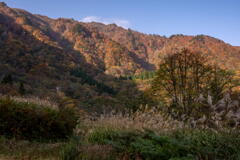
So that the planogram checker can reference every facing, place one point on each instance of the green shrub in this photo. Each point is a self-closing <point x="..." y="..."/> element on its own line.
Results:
<point x="77" y="149"/>
<point x="20" y="149"/>
<point x="100" y="135"/>
<point x="71" y="150"/>
<point x="31" y="121"/>
<point x="176" y="145"/>
<point x="209" y="144"/>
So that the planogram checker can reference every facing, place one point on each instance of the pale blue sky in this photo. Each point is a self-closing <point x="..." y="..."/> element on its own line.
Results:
<point x="217" y="18"/>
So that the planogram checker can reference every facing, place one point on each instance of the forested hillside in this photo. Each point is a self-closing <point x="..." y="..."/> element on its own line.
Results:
<point x="72" y="90"/>
<point x="86" y="61"/>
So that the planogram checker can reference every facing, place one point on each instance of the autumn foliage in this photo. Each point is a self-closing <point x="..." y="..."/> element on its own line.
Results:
<point x="183" y="77"/>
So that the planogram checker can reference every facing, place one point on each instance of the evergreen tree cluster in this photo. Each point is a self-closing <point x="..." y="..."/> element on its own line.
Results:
<point x="8" y="80"/>
<point x="143" y="76"/>
<point x="85" y="78"/>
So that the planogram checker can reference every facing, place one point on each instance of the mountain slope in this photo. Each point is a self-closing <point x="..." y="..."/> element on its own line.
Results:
<point x="115" y="50"/>
<point x="152" y="48"/>
<point x="47" y="53"/>
<point x="35" y="56"/>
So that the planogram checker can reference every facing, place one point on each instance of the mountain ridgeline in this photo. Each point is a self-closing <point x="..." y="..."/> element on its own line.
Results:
<point x="84" y="59"/>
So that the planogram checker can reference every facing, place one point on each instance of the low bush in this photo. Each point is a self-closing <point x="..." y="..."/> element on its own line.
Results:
<point x="181" y="144"/>
<point x="77" y="149"/>
<point x="32" y="121"/>
<point x="13" y="149"/>
<point x="71" y="149"/>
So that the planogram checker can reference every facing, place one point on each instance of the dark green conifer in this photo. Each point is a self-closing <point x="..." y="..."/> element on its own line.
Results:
<point x="22" y="89"/>
<point x="7" y="79"/>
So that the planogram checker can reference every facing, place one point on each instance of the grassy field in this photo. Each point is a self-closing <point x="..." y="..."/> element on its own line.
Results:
<point x="24" y="149"/>
<point x="141" y="135"/>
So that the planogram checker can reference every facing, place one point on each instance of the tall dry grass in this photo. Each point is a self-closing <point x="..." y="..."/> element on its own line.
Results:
<point x="144" y="119"/>
<point x="35" y="100"/>
<point x="224" y="114"/>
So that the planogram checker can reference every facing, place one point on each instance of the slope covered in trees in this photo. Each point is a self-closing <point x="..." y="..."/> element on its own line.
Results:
<point x="112" y="49"/>
<point x="152" y="48"/>
<point x="43" y="54"/>
<point x="73" y="90"/>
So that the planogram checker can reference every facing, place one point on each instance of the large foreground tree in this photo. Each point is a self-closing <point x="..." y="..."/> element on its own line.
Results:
<point x="183" y="76"/>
